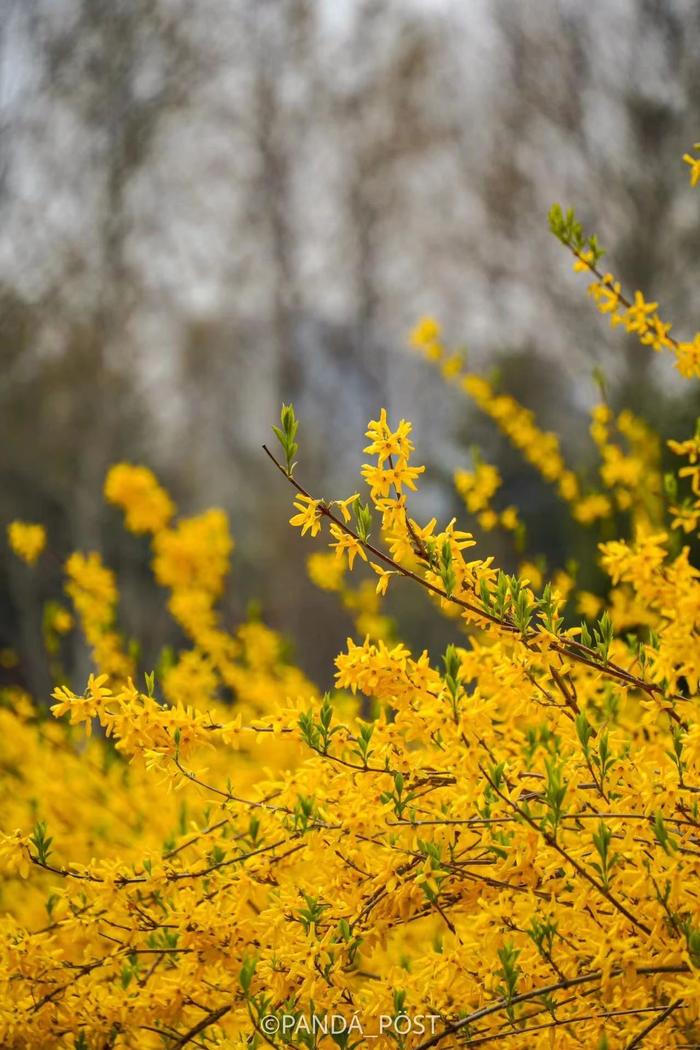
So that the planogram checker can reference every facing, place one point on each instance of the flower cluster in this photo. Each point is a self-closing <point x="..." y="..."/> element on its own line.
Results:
<point x="92" y="588"/>
<point x="686" y="511"/>
<point x="477" y="488"/>
<point x="540" y="448"/>
<point x="391" y="473"/>
<point x="504" y="835"/>
<point x="146" y="504"/>
<point x="27" y="540"/>
<point x="637" y="315"/>
<point x="630" y="455"/>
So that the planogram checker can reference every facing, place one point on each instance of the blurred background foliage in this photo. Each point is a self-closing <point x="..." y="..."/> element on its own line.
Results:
<point x="208" y="209"/>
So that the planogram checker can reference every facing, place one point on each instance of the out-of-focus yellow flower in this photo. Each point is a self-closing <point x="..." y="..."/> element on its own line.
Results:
<point x="689" y="357"/>
<point x="325" y="570"/>
<point x="452" y="366"/>
<point x="509" y="518"/>
<point x="488" y="520"/>
<point x="694" y="165"/>
<point x="61" y="621"/>
<point x="589" y="604"/>
<point x="92" y="586"/>
<point x="27" y="540"/>
<point x="563" y="583"/>
<point x="426" y="337"/>
<point x="146" y="504"/>
<point x="478" y="487"/>
<point x="568" y="486"/>
<point x="195" y="553"/>
<point x="590" y="508"/>
<point x="527" y="570"/>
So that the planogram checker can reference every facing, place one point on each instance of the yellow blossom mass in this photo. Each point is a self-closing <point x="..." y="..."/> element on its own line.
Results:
<point x="147" y="506"/>
<point x="502" y="836"/>
<point x="27" y="540"/>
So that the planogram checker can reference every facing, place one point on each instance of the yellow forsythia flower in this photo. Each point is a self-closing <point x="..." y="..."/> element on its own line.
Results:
<point x="308" y="516"/>
<point x="325" y="570"/>
<point x="61" y="621"/>
<point x="694" y="166"/>
<point x="589" y="508"/>
<point x="26" y="540"/>
<point x="195" y="553"/>
<point x="589" y="605"/>
<point x="426" y="337"/>
<point x="147" y="505"/>
<point x="532" y="573"/>
<point x="14" y="854"/>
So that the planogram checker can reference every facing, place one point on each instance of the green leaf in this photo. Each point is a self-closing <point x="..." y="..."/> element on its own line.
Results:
<point x="286" y="434"/>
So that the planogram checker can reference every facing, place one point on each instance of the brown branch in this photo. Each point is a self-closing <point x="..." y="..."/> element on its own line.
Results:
<point x="551" y="841"/>
<point x="570" y="648"/>
<point x="536" y="993"/>
<point x="193" y="1032"/>
<point x="640" y="1036"/>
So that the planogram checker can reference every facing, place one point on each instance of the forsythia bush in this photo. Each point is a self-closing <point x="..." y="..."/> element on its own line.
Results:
<point x="499" y="846"/>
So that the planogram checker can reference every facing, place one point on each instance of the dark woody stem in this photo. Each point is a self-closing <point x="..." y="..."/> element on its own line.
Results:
<point x="571" y="649"/>
<point x="536" y="993"/>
